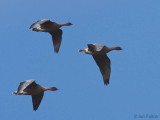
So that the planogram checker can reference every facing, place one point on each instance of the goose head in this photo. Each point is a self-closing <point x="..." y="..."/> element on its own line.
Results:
<point x="85" y="51"/>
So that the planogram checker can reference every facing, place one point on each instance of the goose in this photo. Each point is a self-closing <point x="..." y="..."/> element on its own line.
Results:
<point x="98" y="52"/>
<point x="52" y="28"/>
<point x="30" y="87"/>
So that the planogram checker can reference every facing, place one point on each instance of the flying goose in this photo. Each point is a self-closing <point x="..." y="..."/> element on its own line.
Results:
<point x="30" y="87"/>
<point x="53" y="28"/>
<point x="98" y="52"/>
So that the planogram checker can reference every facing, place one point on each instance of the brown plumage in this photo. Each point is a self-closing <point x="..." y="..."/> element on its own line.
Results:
<point x="52" y="28"/>
<point x="98" y="52"/>
<point x="30" y="87"/>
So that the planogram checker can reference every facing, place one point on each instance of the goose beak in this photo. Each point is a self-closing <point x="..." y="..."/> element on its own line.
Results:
<point x="14" y="92"/>
<point x="81" y="50"/>
<point x="34" y="29"/>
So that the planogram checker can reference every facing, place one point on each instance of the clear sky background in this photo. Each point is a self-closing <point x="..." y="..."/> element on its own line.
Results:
<point x="134" y="87"/>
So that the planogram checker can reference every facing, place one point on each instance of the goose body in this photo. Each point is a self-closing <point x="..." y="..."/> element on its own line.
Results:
<point x="30" y="87"/>
<point x="98" y="52"/>
<point x="52" y="28"/>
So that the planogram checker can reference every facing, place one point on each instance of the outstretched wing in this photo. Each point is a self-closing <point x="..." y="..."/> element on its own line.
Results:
<point x="56" y="39"/>
<point x="24" y="85"/>
<point x="40" y="22"/>
<point x="36" y="100"/>
<point x="103" y="63"/>
<point x="95" y="47"/>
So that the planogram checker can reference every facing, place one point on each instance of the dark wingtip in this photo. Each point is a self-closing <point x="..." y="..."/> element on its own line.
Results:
<point x="106" y="82"/>
<point x="56" y="51"/>
<point x="34" y="109"/>
<point x="31" y="26"/>
<point x="89" y="44"/>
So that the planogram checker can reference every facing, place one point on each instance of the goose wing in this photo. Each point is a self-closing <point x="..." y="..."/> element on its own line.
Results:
<point x="36" y="100"/>
<point x="103" y="63"/>
<point x="56" y="39"/>
<point x="25" y="84"/>
<point x="40" y="22"/>
<point x="95" y="47"/>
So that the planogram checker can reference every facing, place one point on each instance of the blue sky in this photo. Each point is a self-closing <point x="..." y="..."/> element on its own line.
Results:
<point x="134" y="84"/>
